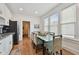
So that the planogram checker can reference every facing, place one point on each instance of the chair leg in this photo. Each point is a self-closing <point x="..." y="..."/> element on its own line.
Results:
<point x="57" y="53"/>
<point x="36" y="49"/>
<point x="33" y="45"/>
<point x="60" y="52"/>
<point x="53" y="54"/>
<point x="47" y="51"/>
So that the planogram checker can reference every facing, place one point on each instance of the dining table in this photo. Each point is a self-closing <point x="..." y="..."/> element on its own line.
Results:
<point x="45" y="39"/>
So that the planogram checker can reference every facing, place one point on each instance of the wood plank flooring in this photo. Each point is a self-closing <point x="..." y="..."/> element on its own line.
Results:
<point x="25" y="48"/>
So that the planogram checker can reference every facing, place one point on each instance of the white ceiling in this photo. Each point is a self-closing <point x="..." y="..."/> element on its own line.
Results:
<point x="29" y="8"/>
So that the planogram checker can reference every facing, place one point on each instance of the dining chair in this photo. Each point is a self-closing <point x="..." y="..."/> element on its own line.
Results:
<point x="51" y="33"/>
<point x="57" y="45"/>
<point x="37" y="43"/>
<point x="48" y="45"/>
<point x="54" y="47"/>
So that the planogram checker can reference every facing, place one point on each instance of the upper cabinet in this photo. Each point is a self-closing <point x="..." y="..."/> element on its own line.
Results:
<point x="2" y="20"/>
<point x="4" y="12"/>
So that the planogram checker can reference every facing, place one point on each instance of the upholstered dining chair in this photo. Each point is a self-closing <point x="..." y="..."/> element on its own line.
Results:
<point x="37" y="43"/>
<point x="54" y="47"/>
<point x="57" y="45"/>
<point x="51" y="33"/>
<point x="48" y="45"/>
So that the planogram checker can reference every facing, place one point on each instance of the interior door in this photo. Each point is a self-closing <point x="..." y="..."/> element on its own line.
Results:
<point x="26" y="28"/>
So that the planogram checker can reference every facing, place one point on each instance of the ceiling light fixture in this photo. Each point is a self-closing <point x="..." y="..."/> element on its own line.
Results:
<point x="36" y="12"/>
<point x="21" y="9"/>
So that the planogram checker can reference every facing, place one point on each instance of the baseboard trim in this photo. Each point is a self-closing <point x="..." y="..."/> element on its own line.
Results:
<point x="71" y="50"/>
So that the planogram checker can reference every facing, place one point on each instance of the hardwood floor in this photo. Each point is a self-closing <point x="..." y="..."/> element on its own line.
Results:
<point x="25" y="48"/>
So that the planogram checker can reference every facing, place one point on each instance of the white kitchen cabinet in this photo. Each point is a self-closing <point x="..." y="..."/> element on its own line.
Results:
<point x="2" y="47"/>
<point x="2" y="15"/>
<point x="7" y="15"/>
<point x="6" y="45"/>
<point x="10" y="43"/>
<point x="2" y="10"/>
<point x="5" y="12"/>
<point x="2" y="20"/>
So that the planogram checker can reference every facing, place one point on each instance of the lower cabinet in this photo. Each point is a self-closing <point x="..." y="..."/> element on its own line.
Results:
<point x="6" y="45"/>
<point x="2" y="47"/>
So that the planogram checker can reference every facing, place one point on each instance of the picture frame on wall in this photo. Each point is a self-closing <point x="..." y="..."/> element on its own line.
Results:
<point x="36" y="25"/>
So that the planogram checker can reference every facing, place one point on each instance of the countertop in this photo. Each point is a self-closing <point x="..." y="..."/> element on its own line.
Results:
<point x="4" y="35"/>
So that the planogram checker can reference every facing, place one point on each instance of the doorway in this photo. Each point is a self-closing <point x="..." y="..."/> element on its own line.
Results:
<point x="26" y="28"/>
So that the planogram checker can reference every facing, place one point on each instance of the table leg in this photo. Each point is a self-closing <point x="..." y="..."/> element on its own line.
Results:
<point x="60" y="52"/>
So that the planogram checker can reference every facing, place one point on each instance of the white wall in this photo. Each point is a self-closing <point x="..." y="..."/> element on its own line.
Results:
<point x="33" y="20"/>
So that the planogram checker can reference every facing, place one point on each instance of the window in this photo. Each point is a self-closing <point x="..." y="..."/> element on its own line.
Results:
<point x="54" y="23"/>
<point x="46" y="24"/>
<point x="68" y="19"/>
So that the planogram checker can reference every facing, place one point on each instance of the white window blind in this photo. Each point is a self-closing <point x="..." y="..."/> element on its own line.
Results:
<point x="54" y="23"/>
<point x="46" y="24"/>
<point x="54" y="29"/>
<point x="68" y="29"/>
<point x="68" y="19"/>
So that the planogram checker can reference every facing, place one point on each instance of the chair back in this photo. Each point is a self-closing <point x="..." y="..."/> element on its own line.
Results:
<point x="49" y="44"/>
<point x="57" y="44"/>
<point x="51" y="33"/>
<point x="35" y="38"/>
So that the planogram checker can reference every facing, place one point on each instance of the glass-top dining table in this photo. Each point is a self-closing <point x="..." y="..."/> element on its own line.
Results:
<point x="45" y="39"/>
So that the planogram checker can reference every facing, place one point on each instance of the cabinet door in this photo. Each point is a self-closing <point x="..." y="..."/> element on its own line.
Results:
<point x="2" y="47"/>
<point x="1" y="9"/>
<point x="2" y="14"/>
<point x="10" y="43"/>
<point x="7" y="45"/>
<point x="2" y="20"/>
<point x="4" y="11"/>
<point x="7" y="14"/>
